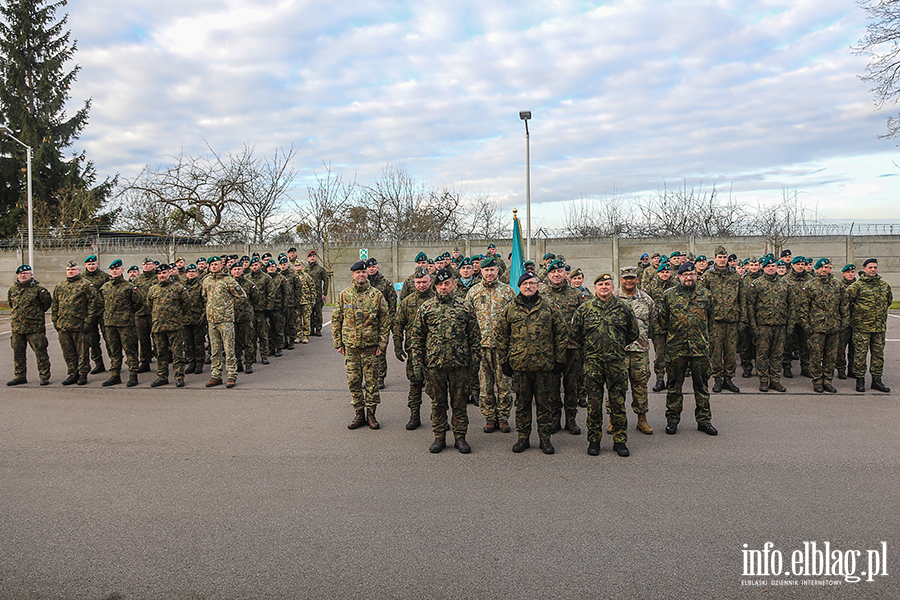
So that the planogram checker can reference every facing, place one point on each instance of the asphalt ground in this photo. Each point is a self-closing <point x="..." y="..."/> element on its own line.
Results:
<point x="262" y="492"/>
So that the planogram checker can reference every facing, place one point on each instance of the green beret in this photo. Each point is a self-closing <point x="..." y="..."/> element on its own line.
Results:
<point x="91" y="258"/>
<point x="822" y="261"/>
<point x="200" y="260"/>
<point x="133" y="268"/>
<point x="213" y="259"/>
<point x="23" y="268"/>
<point x="549" y="256"/>
<point x="676" y="253"/>
<point x="421" y="256"/>
<point x="556" y="264"/>
<point x="701" y="257"/>
<point x="848" y="267"/>
<point x="663" y="266"/>
<point x="466" y="262"/>
<point x="781" y="263"/>
<point x="421" y="272"/>
<point x="430" y="261"/>
<point x="491" y="246"/>
<point x="115" y="264"/>
<point x="528" y="262"/>
<point x="191" y="267"/>
<point x="798" y="259"/>
<point x="490" y="261"/>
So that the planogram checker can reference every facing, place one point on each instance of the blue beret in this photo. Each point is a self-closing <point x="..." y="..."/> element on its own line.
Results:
<point x="525" y="277"/>
<point x="359" y="265"/>
<point x="688" y="266"/>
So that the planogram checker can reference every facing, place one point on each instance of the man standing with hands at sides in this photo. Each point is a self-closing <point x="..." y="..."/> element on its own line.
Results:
<point x="403" y="326"/>
<point x="28" y="301"/>
<point x="637" y="354"/>
<point x="360" y="325"/>
<point x="531" y="345"/>
<point x="725" y="287"/>
<point x="219" y="292"/>
<point x="603" y="327"/>
<point x="168" y="301"/>
<point x="96" y="276"/>
<point x="320" y="279"/>
<point x="119" y="301"/>
<point x="869" y="300"/>
<point x="769" y="305"/>
<point x="826" y="313"/>
<point x="685" y="314"/>
<point x="445" y="340"/>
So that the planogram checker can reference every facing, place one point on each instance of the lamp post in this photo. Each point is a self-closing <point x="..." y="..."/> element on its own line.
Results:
<point x="8" y="132"/>
<point x="525" y="115"/>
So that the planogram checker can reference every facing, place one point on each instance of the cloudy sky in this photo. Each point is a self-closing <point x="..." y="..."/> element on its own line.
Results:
<point x="626" y="96"/>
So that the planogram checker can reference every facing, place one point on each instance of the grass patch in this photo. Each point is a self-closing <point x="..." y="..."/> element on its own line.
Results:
<point x="895" y="304"/>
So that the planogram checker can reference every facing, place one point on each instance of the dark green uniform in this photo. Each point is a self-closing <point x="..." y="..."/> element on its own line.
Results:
<point x="869" y="299"/>
<point x="244" y="334"/>
<point x="770" y="303"/>
<point x="844" y="349"/>
<point x="142" y="319"/>
<point x="266" y="290"/>
<point x="29" y="301"/>
<point x="168" y="301"/>
<point x="194" y="326"/>
<point x="74" y="310"/>
<point x="120" y="300"/>
<point x="725" y="286"/>
<point x="566" y="299"/>
<point x="97" y="278"/>
<point x="380" y="283"/>
<point x="403" y="326"/>
<point x="825" y="316"/>
<point x="746" y="337"/>
<point x="796" y="338"/>
<point x="320" y="279"/>
<point x="655" y="289"/>
<point x="280" y="296"/>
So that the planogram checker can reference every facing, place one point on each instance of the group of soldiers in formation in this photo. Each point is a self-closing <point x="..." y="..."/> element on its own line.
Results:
<point x="465" y="336"/>
<point x="224" y="311"/>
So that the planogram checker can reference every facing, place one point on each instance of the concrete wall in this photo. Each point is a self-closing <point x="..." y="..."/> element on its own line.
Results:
<point x="396" y="259"/>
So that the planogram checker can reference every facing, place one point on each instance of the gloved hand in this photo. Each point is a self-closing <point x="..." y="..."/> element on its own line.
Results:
<point x="559" y="368"/>
<point x="87" y="327"/>
<point x="419" y="372"/>
<point x="400" y="354"/>
<point x="507" y="369"/>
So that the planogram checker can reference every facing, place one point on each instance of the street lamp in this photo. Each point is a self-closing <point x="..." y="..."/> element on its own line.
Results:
<point x="525" y="115"/>
<point x="4" y="129"/>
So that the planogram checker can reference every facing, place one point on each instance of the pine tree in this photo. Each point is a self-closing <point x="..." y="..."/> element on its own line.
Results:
<point x="35" y="78"/>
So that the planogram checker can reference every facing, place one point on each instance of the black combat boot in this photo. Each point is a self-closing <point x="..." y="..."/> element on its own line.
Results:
<point x="144" y="367"/>
<point x="17" y="381"/>
<point x="98" y="368"/>
<point x="248" y="369"/>
<point x="546" y="446"/>
<point x="73" y="378"/>
<point x="829" y="388"/>
<point x="660" y="385"/>
<point x="842" y="373"/>
<point x="132" y="379"/>
<point x="728" y="384"/>
<point x="818" y="388"/>
<point x="594" y="449"/>
<point x="158" y="382"/>
<point x="748" y="373"/>
<point x="879" y="386"/>
<point x="621" y="449"/>
<point x="462" y="445"/>
<point x="521" y="445"/>
<point x="82" y="379"/>
<point x="717" y="385"/>
<point x="787" y="372"/>
<point x="114" y="380"/>
<point x="189" y="369"/>
<point x="860" y="384"/>
<point x="198" y="368"/>
<point x="572" y="427"/>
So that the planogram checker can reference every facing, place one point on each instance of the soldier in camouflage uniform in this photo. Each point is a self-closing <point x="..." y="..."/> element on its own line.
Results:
<point x="796" y="338"/>
<point x="168" y="301"/>
<point x="825" y="315"/>
<point x="360" y="325"/>
<point x="848" y="277"/>
<point x="119" y="301"/>
<point x="97" y="277"/>
<point x="293" y="292"/>
<point x="465" y="281"/>
<point x="725" y="286"/>
<point x="306" y="299"/>
<point x="28" y="301"/>
<point x="408" y="284"/>
<point x="770" y="302"/>
<point x="603" y="327"/>
<point x="403" y="326"/>
<point x="746" y="339"/>
<point x="655" y="289"/>
<point x="280" y="297"/>
<point x="686" y="313"/>
<point x="869" y="300"/>
<point x="545" y="262"/>
<point x="492" y="251"/>
<point x="243" y="321"/>
<point x="557" y="291"/>
<point x="380" y="283"/>
<point x="445" y="339"/>
<point x="650" y="272"/>
<point x="261" y="313"/>
<point x="74" y="310"/>
<point x="144" y="281"/>
<point x="194" y="322"/>
<point x="488" y="298"/>
<point x="320" y="279"/>
<point x="637" y="354"/>
<point x="220" y="291"/>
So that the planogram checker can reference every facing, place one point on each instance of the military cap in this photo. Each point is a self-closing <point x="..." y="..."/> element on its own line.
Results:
<point x="256" y="254"/>
<point x="686" y="267"/>
<point x="421" y="256"/>
<point x="282" y="260"/>
<point x="421" y="272"/>
<point x="456" y="248"/>
<point x="71" y="263"/>
<point x="568" y="268"/>
<point x="115" y="264"/>
<point x="767" y="260"/>
<point x="23" y="268"/>
<point x="245" y="257"/>
<point x="213" y="259"/>
<point x="200" y="260"/>
<point x="466" y="262"/>
<point x="720" y="249"/>
<point x="848" y="267"/>
<point x="91" y="258"/>
<point x="526" y="276"/>
<point x="358" y="266"/>
<point x="797" y="259"/>
<point x="191" y="267"/>
<point x="236" y="265"/>
<point x="132" y="268"/>
<point x="732" y="257"/>
<point x="808" y="261"/>
<point x="235" y="257"/>
<point x="312" y="253"/>
<point x="255" y="259"/>
<point x="292" y="249"/>
<point x="528" y="262"/>
<point x="430" y="261"/>
<point x="628" y="272"/>
<point x="179" y="258"/>
<point x="602" y="277"/>
<point x="491" y="246"/>
<point x="549" y="256"/>
<point x="655" y="254"/>
<point x="147" y="260"/>
<point x="644" y="255"/>
<point x="266" y="255"/>
<point x="270" y="263"/>
<point x="371" y="262"/>
<point x="577" y="272"/>
<point x="785" y="253"/>
<point x="442" y="275"/>
<point x="556" y="264"/>
<point x="822" y="261"/>
<point x="870" y="260"/>
<point x="162" y="267"/>
<point x="781" y="263"/>
<point x="156" y="262"/>
<point x="280" y="255"/>
<point x="751" y="259"/>
<point x="676" y="253"/>
<point x="702" y="257"/>
<point x="478" y="257"/>
<point x="490" y="261"/>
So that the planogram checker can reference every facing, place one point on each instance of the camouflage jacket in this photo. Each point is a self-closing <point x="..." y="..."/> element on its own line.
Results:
<point x="655" y="289"/>
<point x="243" y="307"/>
<point x="28" y="301"/>
<point x="770" y="301"/>
<point x="307" y="289"/>
<point x="604" y="328"/>
<point x="462" y="288"/>
<point x="409" y="286"/>
<point x="143" y="283"/>
<point x="869" y="300"/>
<point x="566" y="299"/>
<point x="280" y="291"/>
<point x="531" y="337"/>
<point x="488" y="300"/>
<point x="320" y="280"/>
<point x="406" y="316"/>
<point x="219" y="292"/>
<point x="360" y="318"/>
<point x="97" y="278"/>
<point x="445" y="335"/>
<point x="798" y="283"/>
<point x="584" y="291"/>
<point x="291" y="288"/>
<point x="725" y="286"/>
<point x="644" y="309"/>
<point x="380" y="283"/>
<point x="195" y="312"/>
<point x="265" y="286"/>
<point x="826" y="310"/>
<point x="168" y="300"/>
<point x="119" y="300"/>
<point x="686" y="314"/>
<point x="74" y="304"/>
<point x="746" y="280"/>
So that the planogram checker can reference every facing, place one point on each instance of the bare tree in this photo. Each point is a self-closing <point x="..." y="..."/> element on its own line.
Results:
<point x="263" y="196"/>
<point x="882" y="45"/>
<point x="481" y="216"/>
<point x="598" y="218"/>
<point x="786" y="220"/>
<point x="323" y="219"/>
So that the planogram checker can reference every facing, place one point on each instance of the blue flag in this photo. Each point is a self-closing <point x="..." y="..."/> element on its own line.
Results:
<point x="516" y="263"/>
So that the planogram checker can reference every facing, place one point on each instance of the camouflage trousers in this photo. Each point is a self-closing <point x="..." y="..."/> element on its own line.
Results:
<point x="221" y="341"/>
<point x="38" y="343"/>
<point x="746" y="347"/>
<point x="290" y="325"/>
<point x="568" y="397"/>
<point x="261" y="329"/>
<point x="863" y="343"/>
<point x="119" y="339"/>
<point x="769" y="346"/>
<point x="613" y="375"/>
<point x="381" y="372"/>
<point x="796" y="339"/>
<point x="145" y="343"/>
<point x="416" y="386"/>
<point x="169" y="346"/>
<point x="822" y="356"/>
<point x="94" y="343"/>
<point x="495" y="394"/>
<point x="362" y="365"/>
<point x="303" y="319"/>
<point x="276" y="331"/>
<point x="659" y="354"/>
<point x="244" y="335"/>
<point x="475" y="378"/>
<point x="723" y="339"/>
<point x="75" y="351"/>
<point x="315" y="319"/>
<point x="194" y="344"/>
<point x="637" y="364"/>
<point x="536" y="386"/>
<point x="449" y="390"/>
<point x="844" y="349"/>
<point x="700" y="372"/>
